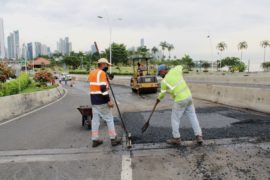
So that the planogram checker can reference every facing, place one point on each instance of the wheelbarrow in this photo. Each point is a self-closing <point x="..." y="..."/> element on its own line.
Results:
<point x="86" y="112"/>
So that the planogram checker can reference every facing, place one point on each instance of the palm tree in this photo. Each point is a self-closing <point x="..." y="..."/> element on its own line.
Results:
<point x="221" y="47"/>
<point x="242" y="45"/>
<point x="163" y="46"/>
<point x="170" y="47"/>
<point x="265" y="44"/>
<point x="154" y="50"/>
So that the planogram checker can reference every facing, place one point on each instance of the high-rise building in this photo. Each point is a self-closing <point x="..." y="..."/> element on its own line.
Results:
<point x="24" y="51"/>
<point x="142" y="42"/>
<point x="93" y="48"/>
<point x="38" y="47"/>
<point x="30" y="51"/>
<point x="64" y="46"/>
<point x="10" y="42"/>
<point x="14" y="45"/>
<point x="2" y="40"/>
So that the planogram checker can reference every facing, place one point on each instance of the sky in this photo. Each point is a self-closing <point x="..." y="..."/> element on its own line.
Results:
<point x="183" y="23"/>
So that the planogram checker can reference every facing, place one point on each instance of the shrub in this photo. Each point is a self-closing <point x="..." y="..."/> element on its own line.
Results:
<point x="15" y="86"/>
<point x="5" y="72"/>
<point x="43" y="77"/>
<point x="78" y="72"/>
<point x="266" y="66"/>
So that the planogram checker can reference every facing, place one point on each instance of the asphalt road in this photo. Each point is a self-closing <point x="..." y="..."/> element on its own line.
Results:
<point x="59" y="125"/>
<point x="56" y="126"/>
<point x="51" y="144"/>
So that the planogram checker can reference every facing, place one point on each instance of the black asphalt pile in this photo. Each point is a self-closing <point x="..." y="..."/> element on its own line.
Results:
<point x="216" y="122"/>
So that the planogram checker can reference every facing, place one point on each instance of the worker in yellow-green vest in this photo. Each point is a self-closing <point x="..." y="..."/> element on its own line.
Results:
<point x="174" y="83"/>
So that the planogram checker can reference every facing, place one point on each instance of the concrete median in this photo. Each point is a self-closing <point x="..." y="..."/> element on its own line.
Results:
<point x="252" y="98"/>
<point x="15" y="105"/>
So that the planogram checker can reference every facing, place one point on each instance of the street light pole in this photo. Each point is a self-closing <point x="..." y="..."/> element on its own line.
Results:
<point x="110" y="42"/>
<point x="110" y="27"/>
<point x="110" y="33"/>
<point x="211" y="46"/>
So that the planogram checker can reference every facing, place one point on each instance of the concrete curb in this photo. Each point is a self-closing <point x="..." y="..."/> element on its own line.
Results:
<point x="15" y="105"/>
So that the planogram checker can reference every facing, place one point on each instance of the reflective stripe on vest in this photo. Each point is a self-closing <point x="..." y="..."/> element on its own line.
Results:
<point x="97" y="79"/>
<point x="97" y="84"/>
<point x="175" y="85"/>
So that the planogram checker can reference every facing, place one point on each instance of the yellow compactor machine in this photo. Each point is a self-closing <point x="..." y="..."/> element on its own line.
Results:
<point x="142" y="81"/>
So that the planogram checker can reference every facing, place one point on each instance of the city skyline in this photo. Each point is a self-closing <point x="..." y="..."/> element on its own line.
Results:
<point x="185" y="24"/>
<point x="15" y="50"/>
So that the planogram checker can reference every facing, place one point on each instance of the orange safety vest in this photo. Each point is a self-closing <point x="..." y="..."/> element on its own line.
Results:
<point x="97" y="83"/>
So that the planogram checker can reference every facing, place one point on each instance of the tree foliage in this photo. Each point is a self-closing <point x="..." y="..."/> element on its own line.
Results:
<point x="234" y="64"/>
<point x="76" y="60"/>
<point x="187" y="62"/>
<point x="221" y="46"/>
<point x="266" y="66"/>
<point x="5" y="72"/>
<point x="154" y="50"/>
<point x="72" y="61"/>
<point x="206" y="65"/>
<point x="119" y="53"/>
<point x="143" y="51"/>
<point x="43" y="77"/>
<point x="242" y="45"/>
<point x="15" y="86"/>
<point x="265" y="43"/>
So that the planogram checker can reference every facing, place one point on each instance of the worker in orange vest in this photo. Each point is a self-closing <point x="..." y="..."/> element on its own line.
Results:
<point x="101" y="103"/>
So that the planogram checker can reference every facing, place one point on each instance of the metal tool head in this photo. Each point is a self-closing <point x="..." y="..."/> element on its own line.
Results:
<point x="145" y="126"/>
<point x="129" y="142"/>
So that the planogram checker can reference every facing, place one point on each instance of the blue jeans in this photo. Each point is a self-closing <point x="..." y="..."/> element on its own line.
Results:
<point x="187" y="108"/>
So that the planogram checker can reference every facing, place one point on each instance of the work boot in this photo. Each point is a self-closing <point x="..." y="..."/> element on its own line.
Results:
<point x="116" y="141"/>
<point x="174" y="141"/>
<point x="96" y="143"/>
<point x="199" y="140"/>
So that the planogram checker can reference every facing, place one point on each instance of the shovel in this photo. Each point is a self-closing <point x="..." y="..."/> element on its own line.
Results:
<point x="146" y="125"/>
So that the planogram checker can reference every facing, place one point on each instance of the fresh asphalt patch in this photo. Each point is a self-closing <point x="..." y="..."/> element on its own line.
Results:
<point x="216" y="122"/>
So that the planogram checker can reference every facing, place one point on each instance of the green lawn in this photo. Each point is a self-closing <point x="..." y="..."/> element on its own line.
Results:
<point x="33" y="88"/>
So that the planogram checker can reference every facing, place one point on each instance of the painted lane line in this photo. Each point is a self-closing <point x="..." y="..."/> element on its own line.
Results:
<point x="126" y="173"/>
<point x="35" y="110"/>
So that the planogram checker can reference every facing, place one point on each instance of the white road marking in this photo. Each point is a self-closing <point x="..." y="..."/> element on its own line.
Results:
<point x="126" y="173"/>
<point x="26" y="114"/>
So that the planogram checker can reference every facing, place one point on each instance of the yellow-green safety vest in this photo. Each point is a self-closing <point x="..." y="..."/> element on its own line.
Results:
<point x="174" y="83"/>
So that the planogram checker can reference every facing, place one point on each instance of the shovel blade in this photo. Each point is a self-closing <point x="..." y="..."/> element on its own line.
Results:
<point x="145" y="126"/>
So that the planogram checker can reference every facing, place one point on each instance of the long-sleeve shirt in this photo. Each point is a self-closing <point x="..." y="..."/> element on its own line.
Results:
<point x="175" y="84"/>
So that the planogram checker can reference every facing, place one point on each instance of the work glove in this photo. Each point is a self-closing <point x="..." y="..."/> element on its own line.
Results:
<point x="110" y="104"/>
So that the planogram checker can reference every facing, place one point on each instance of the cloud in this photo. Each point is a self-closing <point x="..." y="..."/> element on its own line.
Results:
<point x="184" y="23"/>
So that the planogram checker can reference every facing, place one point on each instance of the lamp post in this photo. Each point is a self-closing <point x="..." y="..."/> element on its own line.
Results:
<point x="110" y="33"/>
<point x="211" y="46"/>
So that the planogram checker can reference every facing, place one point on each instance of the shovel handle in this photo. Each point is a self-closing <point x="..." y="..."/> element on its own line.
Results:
<point x="154" y="108"/>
